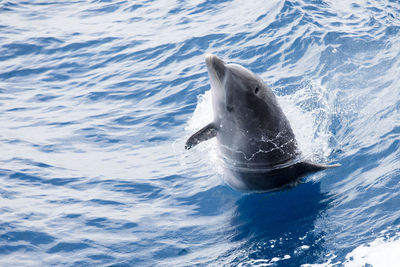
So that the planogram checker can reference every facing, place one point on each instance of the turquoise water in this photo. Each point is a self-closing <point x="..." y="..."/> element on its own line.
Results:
<point x="97" y="99"/>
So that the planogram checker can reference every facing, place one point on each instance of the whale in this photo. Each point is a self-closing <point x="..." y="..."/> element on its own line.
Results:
<point x="256" y="143"/>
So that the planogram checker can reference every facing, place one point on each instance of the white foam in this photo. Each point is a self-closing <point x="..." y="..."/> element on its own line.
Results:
<point x="380" y="252"/>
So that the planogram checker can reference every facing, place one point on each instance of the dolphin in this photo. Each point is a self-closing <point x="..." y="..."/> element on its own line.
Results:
<point x="257" y="145"/>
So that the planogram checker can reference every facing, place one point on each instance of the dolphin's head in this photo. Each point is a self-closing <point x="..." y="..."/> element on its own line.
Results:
<point x="238" y="95"/>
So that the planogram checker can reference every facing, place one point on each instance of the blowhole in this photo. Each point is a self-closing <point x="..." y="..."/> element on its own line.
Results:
<point x="256" y="90"/>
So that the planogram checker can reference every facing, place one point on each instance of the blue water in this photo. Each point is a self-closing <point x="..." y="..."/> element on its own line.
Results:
<point x="97" y="99"/>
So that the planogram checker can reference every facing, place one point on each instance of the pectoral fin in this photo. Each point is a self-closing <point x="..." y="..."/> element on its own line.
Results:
<point x="203" y="134"/>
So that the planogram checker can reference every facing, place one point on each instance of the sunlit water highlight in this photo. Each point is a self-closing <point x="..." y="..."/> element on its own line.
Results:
<point x="97" y="99"/>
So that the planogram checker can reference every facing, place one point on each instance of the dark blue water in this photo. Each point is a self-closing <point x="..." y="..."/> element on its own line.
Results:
<point x="97" y="99"/>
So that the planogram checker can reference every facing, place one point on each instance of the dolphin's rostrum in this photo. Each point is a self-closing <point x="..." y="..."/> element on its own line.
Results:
<point x="256" y="142"/>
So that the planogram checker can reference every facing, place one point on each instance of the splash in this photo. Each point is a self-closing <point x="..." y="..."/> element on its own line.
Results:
<point x="203" y="113"/>
<point x="309" y="111"/>
<point x="202" y="116"/>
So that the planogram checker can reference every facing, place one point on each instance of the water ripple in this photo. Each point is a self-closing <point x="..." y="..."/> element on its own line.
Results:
<point x="95" y="98"/>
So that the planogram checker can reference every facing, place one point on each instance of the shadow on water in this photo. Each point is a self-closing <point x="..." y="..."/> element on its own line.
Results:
<point x="280" y="225"/>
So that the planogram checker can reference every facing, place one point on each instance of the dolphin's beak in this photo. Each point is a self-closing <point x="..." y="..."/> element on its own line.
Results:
<point x="215" y="67"/>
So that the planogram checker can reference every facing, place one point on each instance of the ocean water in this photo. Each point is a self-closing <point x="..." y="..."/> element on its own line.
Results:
<point x="97" y="99"/>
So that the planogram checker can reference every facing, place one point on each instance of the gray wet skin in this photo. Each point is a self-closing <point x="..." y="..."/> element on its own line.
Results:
<point x="252" y="130"/>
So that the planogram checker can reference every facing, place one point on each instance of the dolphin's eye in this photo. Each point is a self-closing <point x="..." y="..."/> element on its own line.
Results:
<point x="229" y="108"/>
<point x="256" y="90"/>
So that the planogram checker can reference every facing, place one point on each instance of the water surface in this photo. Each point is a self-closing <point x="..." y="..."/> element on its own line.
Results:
<point x="97" y="99"/>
